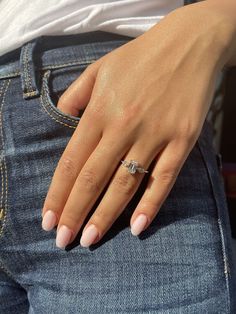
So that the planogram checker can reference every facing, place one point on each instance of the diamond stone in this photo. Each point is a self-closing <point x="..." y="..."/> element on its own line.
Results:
<point x="132" y="168"/>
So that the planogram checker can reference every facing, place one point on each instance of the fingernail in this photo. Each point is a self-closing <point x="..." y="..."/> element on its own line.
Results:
<point x="49" y="220"/>
<point x="89" y="235"/>
<point x="64" y="235"/>
<point x="139" y="224"/>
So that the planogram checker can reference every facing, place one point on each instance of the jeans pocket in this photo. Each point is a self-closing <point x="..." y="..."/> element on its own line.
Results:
<point x="54" y="84"/>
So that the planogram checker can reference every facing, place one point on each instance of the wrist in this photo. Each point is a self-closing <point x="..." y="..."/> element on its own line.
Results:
<point x="206" y="30"/>
<point x="216" y="20"/>
<point x="226" y="12"/>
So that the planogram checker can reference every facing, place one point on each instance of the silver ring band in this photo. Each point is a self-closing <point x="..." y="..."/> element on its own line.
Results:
<point x="133" y="166"/>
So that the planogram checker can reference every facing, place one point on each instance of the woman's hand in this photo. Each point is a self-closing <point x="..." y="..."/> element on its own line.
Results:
<point x="146" y="100"/>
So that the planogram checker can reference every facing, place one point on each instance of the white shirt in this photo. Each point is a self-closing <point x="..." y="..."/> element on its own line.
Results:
<point x="21" y="20"/>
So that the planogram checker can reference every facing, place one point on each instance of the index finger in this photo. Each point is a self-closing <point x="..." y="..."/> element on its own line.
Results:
<point x="81" y="145"/>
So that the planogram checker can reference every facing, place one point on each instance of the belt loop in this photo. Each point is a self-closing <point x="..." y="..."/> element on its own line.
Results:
<point x="28" y="72"/>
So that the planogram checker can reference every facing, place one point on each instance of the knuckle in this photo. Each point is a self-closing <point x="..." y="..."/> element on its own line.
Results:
<point x="188" y="134"/>
<point x="125" y="119"/>
<point x="67" y="166"/>
<point x="149" y="203"/>
<point x="124" y="184"/>
<point x="95" y="109"/>
<point x="51" y="199"/>
<point x="89" y="180"/>
<point x="190" y="138"/>
<point x="168" y="176"/>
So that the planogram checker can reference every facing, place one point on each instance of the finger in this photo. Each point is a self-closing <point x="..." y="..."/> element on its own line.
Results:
<point x="120" y="191"/>
<point x="162" y="179"/>
<point x="91" y="181"/>
<point x="81" y="145"/>
<point x="78" y="94"/>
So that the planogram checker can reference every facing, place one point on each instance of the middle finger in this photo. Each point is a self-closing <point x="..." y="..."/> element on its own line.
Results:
<point x="89" y="184"/>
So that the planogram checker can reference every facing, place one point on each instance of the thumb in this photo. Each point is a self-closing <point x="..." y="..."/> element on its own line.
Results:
<point x="77" y="95"/>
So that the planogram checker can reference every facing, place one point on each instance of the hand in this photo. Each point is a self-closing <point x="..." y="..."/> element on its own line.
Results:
<point x="146" y="100"/>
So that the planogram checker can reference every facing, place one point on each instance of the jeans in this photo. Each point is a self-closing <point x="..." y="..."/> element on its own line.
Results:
<point x="182" y="263"/>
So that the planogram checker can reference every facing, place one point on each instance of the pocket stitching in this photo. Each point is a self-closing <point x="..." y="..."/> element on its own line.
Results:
<point x="44" y="97"/>
<point x="63" y="123"/>
<point x="46" y="93"/>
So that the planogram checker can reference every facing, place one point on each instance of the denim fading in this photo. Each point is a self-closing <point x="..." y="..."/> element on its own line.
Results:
<point x="182" y="263"/>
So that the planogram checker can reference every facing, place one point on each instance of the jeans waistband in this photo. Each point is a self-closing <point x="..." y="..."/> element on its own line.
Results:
<point x="54" y="52"/>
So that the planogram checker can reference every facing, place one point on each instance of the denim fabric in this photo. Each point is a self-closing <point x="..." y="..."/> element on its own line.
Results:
<point x="182" y="263"/>
<point x="190" y="1"/>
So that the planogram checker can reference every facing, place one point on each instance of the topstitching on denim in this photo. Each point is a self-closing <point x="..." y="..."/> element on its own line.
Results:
<point x="3" y="168"/>
<point x="222" y="236"/>
<point x="51" y="110"/>
<point x="28" y="73"/>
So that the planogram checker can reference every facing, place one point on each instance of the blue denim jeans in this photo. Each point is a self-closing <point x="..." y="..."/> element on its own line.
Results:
<point x="182" y="263"/>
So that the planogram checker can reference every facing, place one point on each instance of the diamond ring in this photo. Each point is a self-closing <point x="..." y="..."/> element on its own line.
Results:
<point x="133" y="166"/>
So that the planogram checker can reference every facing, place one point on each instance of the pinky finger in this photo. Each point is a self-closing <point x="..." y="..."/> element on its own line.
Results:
<point x="164" y="174"/>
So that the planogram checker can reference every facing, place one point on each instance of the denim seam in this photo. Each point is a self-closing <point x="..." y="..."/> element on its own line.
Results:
<point x="6" y="271"/>
<point x="45" y="92"/>
<point x="4" y="168"/>
<point x="2" y="189"/>
<point x="50" y="66"/>
<point x="224" y="256"/>
<point x="58" y="65"/>
<point x="43" y="97"/>
<point x="67" y="125"/>
<point x="3" y="171"/>
<point x="47" y="67"/>
<point x="3" y="94"/>
<point x="4" y="76"/>
<point x="2" y="213"/>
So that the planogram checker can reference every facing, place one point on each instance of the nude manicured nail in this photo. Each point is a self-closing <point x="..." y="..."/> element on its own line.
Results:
<point x="88" y="236"/>
<point x="139" y="224"/>
<point x="49" y="220"/>
<point x="64" y="235"/>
